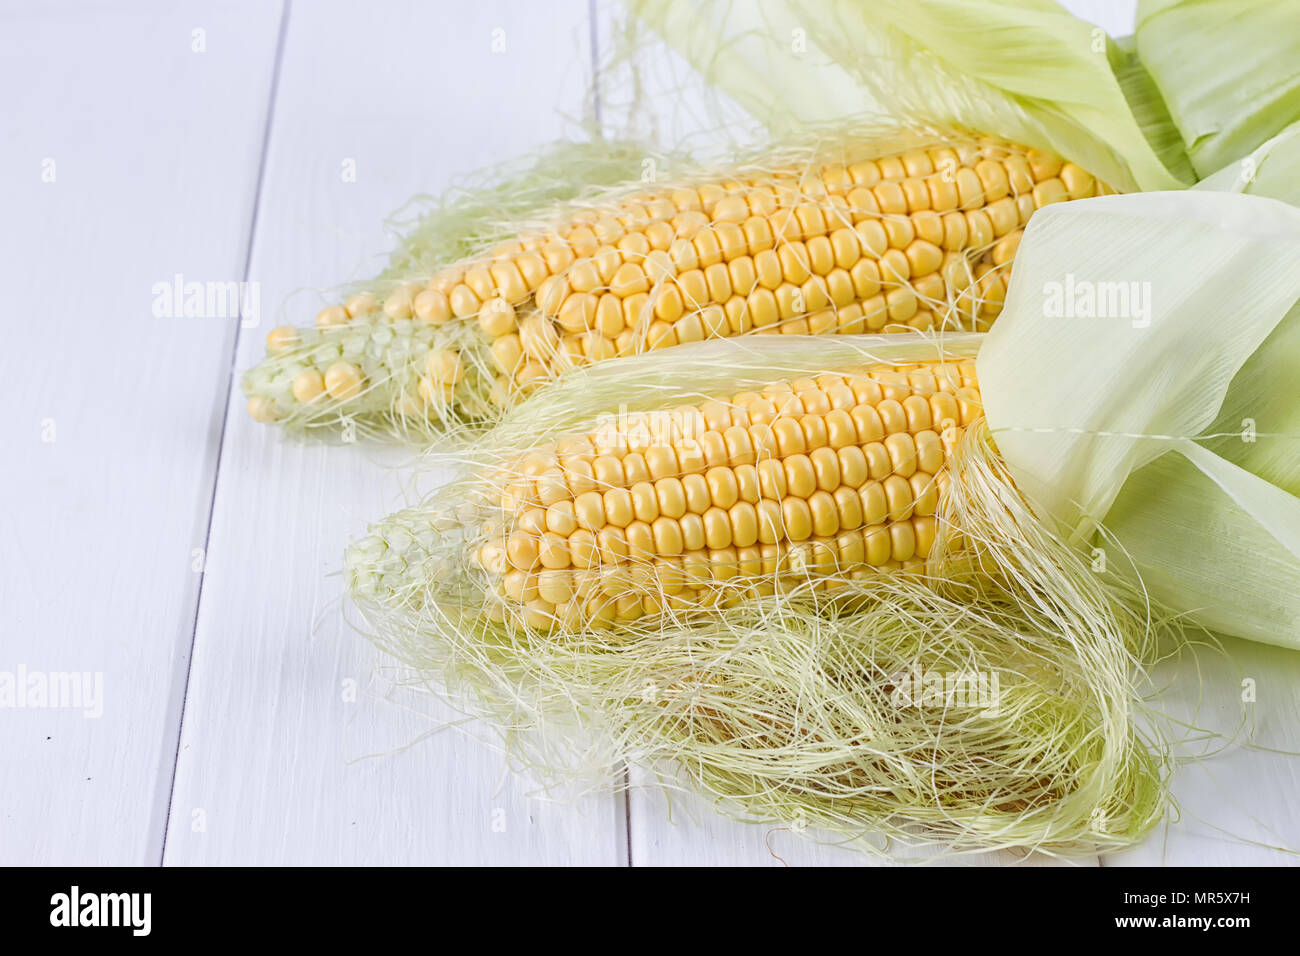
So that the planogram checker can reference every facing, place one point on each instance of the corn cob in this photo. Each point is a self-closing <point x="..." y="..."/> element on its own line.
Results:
<point x="820" y="480"/>
<point x="747" y="582"/>
<point x="916" y="239"/>
<point x="832" y="478"/>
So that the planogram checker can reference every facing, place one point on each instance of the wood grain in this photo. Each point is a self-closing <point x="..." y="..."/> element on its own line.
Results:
<point x="129" y="157"/>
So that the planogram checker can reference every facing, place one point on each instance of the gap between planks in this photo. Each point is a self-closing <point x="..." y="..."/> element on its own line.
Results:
<point x="180" y="683"/>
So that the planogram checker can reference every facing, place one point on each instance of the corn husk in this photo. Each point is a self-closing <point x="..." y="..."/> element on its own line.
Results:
<point x="1111" y="421"/>
<point x="1224" y="527"/>
<point x="1026" y="68"/>
<point x="1228" y="70"/>
<point x="1269" y="170"/>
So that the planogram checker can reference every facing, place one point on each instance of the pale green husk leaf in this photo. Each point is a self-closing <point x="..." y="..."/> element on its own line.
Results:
<point x="1078" y="403"/>
<point x="1228" y="70"/>
<point x="1027" y="70"/>
<point x="1272" y="170"/>
<point x="1188" y="525"/>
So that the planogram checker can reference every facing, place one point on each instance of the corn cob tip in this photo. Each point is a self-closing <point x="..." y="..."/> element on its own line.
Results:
<point x="400" y="378"/>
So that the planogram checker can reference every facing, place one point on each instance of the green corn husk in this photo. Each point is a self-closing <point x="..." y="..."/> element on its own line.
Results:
<point x="1026" y="68"/>
<point x="1209" y="537"/>
<point x="1228" y="70"/>
<point x="1216" y="529"/>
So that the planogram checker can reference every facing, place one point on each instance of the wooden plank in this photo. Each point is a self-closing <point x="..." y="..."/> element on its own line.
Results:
<point x="1234" y="790"/>
<point x="125" y="164"/>
<point x="271" y="769"/>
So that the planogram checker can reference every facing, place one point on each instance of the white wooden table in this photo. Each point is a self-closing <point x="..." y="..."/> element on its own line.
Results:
<point x="157" y="540"/>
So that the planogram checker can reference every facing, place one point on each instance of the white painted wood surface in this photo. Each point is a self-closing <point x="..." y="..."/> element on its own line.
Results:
<point x="127" y="157"/>
<point x="268" y="768"/>
<point x="293" y="747"/>
<point x="1234" y="787"/>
